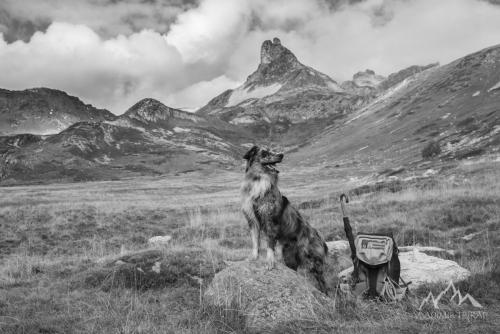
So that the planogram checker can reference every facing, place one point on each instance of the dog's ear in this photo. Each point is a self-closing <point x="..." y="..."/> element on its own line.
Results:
<point x="251" y="152"/>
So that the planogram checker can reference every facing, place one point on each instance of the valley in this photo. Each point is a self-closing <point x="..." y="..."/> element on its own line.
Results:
<point x="370" y="122"/>
<point x="82" y="189"/>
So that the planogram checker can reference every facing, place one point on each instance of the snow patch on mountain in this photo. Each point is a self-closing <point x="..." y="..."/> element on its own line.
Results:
<point x="497" y="86"/>
<point x="242" y="94"/>
<point x="180" y="130"/>
<point x="243" y="120"/>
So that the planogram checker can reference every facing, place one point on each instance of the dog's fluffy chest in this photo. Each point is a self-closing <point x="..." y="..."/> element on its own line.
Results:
<point x="259" y="195"/>
<point x="255" y="188"/>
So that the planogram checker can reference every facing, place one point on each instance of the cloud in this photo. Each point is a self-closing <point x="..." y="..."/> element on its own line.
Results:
<point x="108" y="18"/>
<point x="197" y="94"/>
<point x="411" y="32"/>
<point x="207" y="32"/>
<point x="112" y="53"/>
<point x="113" y="73"/>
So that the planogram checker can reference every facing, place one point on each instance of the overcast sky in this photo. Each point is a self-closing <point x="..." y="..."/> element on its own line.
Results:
<point x="112" y="53"/>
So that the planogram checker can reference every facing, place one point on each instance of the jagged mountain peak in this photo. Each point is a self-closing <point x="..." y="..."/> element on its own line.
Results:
<point x="276" y="63"/>
<point x="279" y="79"/>
<point x="272" y="51"/>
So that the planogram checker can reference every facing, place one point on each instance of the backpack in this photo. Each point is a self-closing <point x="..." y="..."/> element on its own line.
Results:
<point x="376" y="266"/>
<point x="377" y="269"/>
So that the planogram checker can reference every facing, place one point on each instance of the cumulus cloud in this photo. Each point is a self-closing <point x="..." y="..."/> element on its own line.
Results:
<point x="207" y="32"/>
<point x="107" y="17"/>
<point x="193" y="51"/>
<point x="111" y="73"/>
<point x="199" y="92"/>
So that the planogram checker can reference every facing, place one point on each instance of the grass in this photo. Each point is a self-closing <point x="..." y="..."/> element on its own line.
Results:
<point x="57" y="243"/>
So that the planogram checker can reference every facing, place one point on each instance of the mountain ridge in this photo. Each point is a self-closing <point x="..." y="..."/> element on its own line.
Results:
<point x="454" y="105"/>
<point x="149" y="139"/>
<point x="44" y="111"/>
<point x="372" y="121"/>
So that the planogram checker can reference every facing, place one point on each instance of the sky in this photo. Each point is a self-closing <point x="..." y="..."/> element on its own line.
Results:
<point x="112" y="53"/>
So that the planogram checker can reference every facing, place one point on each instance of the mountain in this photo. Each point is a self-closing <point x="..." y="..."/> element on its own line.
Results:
<point x="395" y="78"/>
<point x="44" y="111"/>
<point x="374" y="125"/>
<point x="456" y="107"/>
<point x="149" y="139"/>
<point x="282" y="95"/>
<point x="154" y="116"/>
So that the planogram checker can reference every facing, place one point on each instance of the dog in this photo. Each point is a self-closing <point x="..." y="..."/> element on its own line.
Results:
<point x="290" y="238"/>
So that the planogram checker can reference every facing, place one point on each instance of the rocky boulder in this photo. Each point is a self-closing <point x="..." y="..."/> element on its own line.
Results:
<point x="420" y="268"/>
<point x="340" y="255"/>
<point x="338" y="247"/>
<point x="429" y="250"/>
<point x="269" y="300"/>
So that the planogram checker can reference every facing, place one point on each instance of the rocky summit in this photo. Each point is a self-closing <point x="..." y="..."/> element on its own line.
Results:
<point x="281" y="93"/>
<point x="152" y="111"/>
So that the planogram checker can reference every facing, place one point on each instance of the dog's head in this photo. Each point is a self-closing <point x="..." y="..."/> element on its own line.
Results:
<point x="265" y="158"/>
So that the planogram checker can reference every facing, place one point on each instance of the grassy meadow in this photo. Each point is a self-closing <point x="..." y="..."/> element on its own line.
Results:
<point x="55" y="240"/>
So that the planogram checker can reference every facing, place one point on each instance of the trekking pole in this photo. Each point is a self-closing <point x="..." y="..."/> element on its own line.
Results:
<point x="347" y="226"/>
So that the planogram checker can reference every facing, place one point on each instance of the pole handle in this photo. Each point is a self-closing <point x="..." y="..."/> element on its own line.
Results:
<point x="342" y="206"/>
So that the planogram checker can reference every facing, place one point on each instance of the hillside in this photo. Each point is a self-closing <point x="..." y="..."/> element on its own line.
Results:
<point x="149" y="139"/>
<point x="371" y="123"/>
<point x="456" y="105"/>
<point x="44" y="111"/>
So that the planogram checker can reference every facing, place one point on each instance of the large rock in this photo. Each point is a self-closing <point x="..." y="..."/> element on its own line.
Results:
<point x="429" y="250"/>
<point x="268" y="299"/>
<point x="420" y="268"/>
<point x="339" y="247"/>
<point x="340" y="255"/>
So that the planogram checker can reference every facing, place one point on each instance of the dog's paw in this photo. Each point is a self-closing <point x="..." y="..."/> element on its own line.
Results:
<point x="270" y="259"/>
<point x="271" y="263"/>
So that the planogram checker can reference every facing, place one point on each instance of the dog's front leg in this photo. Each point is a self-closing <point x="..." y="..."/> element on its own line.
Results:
<point x="255" y="232"/>
<point x="271" y="260"/>
<point x="254" y="226"/>
<point x="279" y="252"/>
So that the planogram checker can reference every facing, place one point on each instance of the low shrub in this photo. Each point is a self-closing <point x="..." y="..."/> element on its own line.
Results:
<point x="431" y="150"/>
<point x="153" y="269"/>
